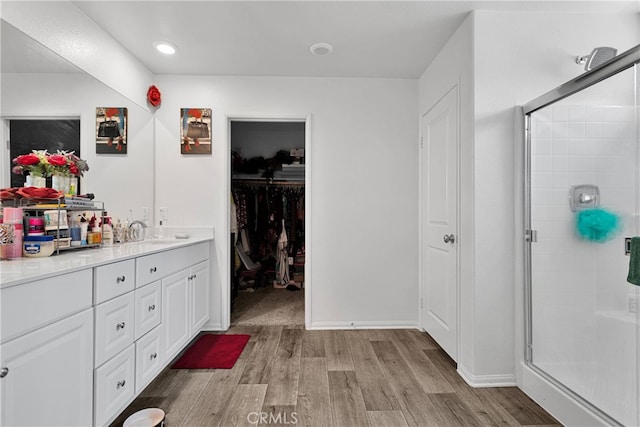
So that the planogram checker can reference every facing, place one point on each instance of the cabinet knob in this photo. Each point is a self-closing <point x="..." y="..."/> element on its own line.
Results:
<point x="153" y="269"/>
<point x="121" y="384"/>
<point x="153" y="356"/>
<point x="4" y="372"/>
<point x="152" y="307"/>
<point x="195" y="275"/>
<point x="120" y="279"/>
<point x="120" y="326"/>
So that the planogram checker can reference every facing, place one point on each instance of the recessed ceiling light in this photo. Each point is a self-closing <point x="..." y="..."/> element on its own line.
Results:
<point x="321" y="49"/>
<point x="165" y="47"/>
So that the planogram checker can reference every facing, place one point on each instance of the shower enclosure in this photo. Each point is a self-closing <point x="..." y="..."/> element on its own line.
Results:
<point x="582" y="199"/>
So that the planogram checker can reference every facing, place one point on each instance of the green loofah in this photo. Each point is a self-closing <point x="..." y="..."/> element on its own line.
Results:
<point x="597" y="225"/>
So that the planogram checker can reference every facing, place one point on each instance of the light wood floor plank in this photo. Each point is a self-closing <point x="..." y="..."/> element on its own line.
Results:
<point x="246" y="400"/>
<point x="312" y="344"/>
<point x="418" y="410"/>
<point x="285" y="370"/>
<point x="207" y="409"/>
<point x="426" y="373"/>
<point x="336" y="351"/>
<point x="314" y="403"/>
<point x="377" y="395"/>
<point x="346" y="400"/>
<point x="258" y="368"/>
<point x="453" y="411"/>
<point x="386" y="419"/>
<point x="184" y="395"/>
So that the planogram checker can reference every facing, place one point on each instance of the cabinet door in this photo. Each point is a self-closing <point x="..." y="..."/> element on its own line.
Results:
<point x="199" y="296"/>
<point x="114" y="327"/>
<point x="50" y="375"/>
<point x="148" y="308"/>
<point x="175" y="312"/>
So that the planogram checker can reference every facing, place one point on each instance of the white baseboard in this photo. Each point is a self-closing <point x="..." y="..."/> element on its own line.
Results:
<point x="479" y="381"/>
<point x="408" y="324"/>
<point x="213" y="326"/>
<point x="563" y="407"/>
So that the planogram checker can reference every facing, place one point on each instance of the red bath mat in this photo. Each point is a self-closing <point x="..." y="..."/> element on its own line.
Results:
<point x="213" y="351"/>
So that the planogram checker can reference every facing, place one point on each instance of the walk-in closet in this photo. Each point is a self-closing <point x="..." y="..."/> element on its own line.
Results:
<point x="267" y="222"/>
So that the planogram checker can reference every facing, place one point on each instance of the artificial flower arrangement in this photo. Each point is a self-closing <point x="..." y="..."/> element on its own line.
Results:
<point x="41" y="163"/>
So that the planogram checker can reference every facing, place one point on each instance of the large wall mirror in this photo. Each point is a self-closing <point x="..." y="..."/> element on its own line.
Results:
<point x="37" y="84"/>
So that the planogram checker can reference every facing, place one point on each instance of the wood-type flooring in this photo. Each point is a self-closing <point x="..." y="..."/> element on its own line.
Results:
<point x="288" y="376"/>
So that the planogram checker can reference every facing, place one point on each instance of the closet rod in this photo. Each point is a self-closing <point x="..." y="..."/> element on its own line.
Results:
<point x="266" y="182"/>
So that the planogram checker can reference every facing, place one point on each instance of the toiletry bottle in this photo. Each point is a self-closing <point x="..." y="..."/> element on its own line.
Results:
<point x="107" y="231"/>
<point x="160" y="231"/>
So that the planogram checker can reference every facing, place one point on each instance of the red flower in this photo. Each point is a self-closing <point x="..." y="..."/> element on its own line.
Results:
<point x="153" y="96"/>
<point x="194" y="112"/>
<point x="27" y="160"/>
<point x="74" y="169"/>
<point x="110" y="112"/>
<point x="57" y="160"/>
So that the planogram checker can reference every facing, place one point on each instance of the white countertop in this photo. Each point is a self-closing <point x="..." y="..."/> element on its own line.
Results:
<point x="20" y="270"/>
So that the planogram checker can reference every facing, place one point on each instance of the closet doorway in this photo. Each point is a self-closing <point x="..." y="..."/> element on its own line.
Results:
<point x="268" y="221"/>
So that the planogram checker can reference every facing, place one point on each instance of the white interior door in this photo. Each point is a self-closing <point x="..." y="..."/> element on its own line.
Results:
<point x="439" y="238"/>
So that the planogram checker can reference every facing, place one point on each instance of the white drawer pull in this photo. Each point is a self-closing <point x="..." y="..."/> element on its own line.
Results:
<point x="153" y="269"/>
<point x="152" y="307"/>
<point x="120" y="384"/>
<point x="153" y="356"/>
<point x="120" y="279"/>
<point x="120" y="326"/>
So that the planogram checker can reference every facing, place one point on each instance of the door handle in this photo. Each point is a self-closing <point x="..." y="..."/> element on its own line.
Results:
<point x="449" y="238"/>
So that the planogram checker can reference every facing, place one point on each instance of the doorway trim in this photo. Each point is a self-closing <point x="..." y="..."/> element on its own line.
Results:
<point x="226" y="295"/>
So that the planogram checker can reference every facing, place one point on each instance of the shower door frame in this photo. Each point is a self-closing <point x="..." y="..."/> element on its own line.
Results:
<point x="616" y="65"/>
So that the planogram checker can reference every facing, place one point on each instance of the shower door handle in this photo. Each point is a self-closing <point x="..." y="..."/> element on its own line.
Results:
<point x="449" y="238"/>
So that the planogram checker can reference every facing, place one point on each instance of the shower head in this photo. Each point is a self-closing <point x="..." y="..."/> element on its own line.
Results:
<point x="598" y="56"/>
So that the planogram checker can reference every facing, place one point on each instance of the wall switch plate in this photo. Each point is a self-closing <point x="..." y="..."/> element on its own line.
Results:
<point x="145" y="214"/>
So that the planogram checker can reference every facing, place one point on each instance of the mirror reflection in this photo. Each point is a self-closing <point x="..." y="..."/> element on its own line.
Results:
<point x="44" y="96"/>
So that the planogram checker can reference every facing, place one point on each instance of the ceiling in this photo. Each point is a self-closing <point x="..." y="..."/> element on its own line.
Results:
<point x="383" y="39"/>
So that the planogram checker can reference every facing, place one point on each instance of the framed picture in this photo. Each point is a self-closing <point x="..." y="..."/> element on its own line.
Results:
<point x="111" y="130"/>
<point x="195" y="130"/>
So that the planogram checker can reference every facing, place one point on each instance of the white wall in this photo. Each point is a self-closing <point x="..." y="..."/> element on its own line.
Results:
<point x="363" y="185"/>
<point x="123" y="182"/>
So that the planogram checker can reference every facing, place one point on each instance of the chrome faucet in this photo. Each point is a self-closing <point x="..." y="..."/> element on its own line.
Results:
<point x="136" y="231"/>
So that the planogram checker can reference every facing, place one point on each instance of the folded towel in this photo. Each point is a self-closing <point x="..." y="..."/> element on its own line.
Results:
<point x="634" y="262"/>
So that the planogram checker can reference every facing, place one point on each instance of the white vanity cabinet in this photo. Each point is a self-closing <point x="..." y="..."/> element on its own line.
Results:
<point x="46" y="355"/>
<point x="77" y="348"/>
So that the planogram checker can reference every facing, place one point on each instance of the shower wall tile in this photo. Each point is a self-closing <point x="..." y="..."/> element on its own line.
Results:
<point x="577" y="113"/>
<point x="560" y="113"/>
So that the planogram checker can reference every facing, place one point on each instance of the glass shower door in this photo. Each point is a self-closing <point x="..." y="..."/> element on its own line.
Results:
<point x="584" y="201"/>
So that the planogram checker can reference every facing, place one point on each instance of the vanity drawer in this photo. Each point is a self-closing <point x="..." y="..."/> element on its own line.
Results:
<point x="156" y="266"/>
<point x="148" y="305"/>
<point x="149" y="359"/>
<point x="114" y="386"/>
<point x="114" y="327"/>
<point x="114" y="279"/>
